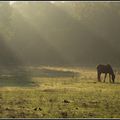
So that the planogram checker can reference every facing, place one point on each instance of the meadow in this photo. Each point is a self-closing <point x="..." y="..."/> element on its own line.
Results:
<point x="58" y="92"/>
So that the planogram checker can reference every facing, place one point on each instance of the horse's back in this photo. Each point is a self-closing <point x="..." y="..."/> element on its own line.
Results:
<point x="100" y="66"/>
<point x="104" y="68"/>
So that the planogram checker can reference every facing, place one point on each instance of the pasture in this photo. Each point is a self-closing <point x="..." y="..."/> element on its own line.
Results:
<point x="57" y="92"/>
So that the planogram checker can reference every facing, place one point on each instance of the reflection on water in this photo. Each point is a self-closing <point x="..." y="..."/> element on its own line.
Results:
<point x="22" y="76"/>
<point x="15" y="77"/>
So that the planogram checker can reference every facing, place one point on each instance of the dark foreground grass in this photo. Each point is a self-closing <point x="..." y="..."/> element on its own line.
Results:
<point x="63" y="97"/>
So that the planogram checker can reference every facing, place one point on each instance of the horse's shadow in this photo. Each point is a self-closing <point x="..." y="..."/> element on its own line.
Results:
<point x="117" y="83"/>
<point x="106" y="82"/>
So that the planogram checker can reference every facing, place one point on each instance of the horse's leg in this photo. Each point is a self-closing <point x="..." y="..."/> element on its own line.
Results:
<point x="105" y="76"/>
<point x="99" y="77"/>
<point x="109" y="78"/>
<point x="113" y="80"/>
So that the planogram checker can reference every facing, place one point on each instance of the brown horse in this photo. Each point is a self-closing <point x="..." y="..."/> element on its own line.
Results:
<point x="106" y="69"/>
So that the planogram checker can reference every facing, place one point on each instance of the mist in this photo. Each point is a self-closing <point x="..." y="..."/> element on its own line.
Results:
<point x="59" y="33"/>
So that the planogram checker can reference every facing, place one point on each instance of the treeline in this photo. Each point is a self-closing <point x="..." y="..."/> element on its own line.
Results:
<point x="70" y="33"/>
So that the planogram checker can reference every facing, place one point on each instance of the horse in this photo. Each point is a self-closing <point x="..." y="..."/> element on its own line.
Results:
<point x="106" y="69"/>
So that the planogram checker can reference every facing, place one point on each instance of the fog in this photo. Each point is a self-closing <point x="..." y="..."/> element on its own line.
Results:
<point x="59" y="33"/>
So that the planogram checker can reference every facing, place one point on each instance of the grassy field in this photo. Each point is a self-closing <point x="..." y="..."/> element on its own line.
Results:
<point x="48" y="92"/>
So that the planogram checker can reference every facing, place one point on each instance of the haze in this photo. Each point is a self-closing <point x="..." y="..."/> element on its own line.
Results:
<point x="63" y="33"/>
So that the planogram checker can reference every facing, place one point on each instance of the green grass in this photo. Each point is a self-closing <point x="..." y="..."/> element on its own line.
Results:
<point x="60" y="97"/>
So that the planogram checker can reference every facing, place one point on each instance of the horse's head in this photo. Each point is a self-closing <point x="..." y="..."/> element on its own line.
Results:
<point x="113" y="77"/>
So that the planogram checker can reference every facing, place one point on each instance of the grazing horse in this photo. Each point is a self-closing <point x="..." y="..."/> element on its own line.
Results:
<point x="106" y="69"/>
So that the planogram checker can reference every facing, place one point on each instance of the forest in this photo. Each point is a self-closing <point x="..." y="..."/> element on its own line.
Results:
<point x="69" y="33"/>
